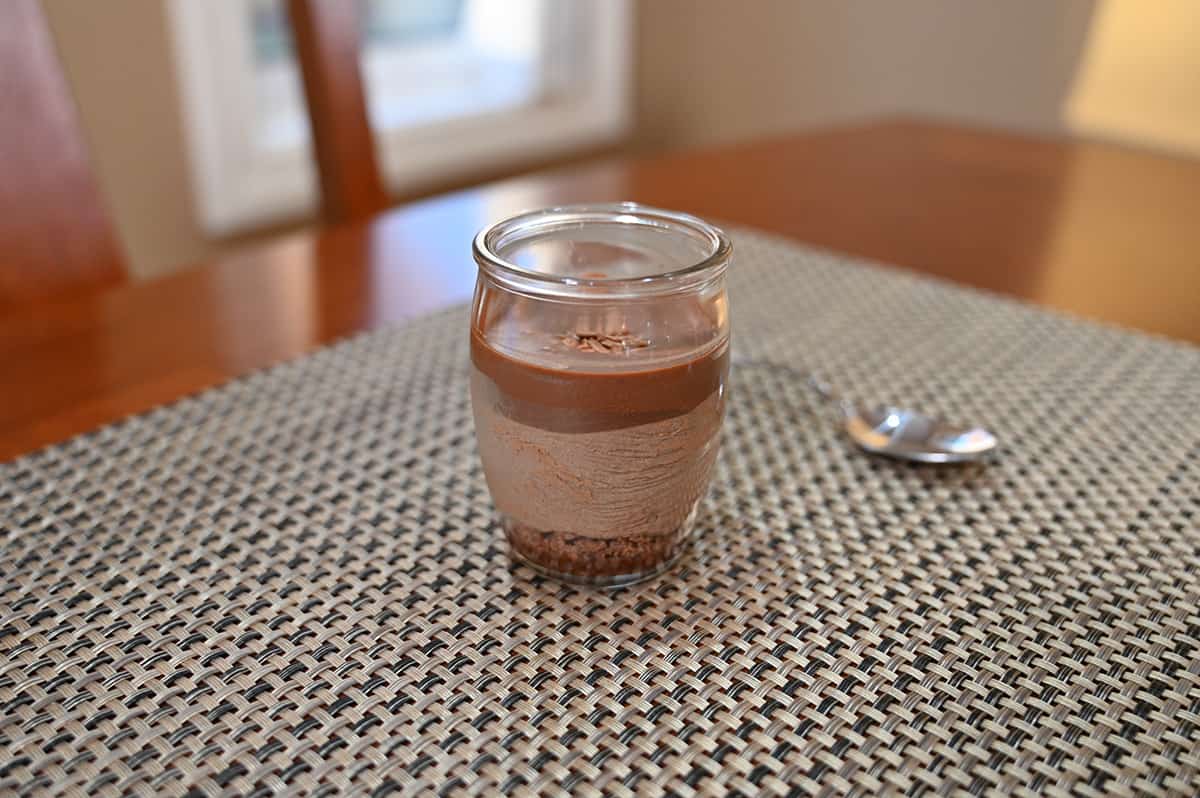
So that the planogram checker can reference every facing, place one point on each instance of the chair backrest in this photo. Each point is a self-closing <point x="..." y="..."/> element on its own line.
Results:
<point x="326" y="33"/>
<point x="55" y="236"/>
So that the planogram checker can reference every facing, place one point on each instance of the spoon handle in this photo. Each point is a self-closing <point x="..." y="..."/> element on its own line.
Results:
<point x="822" y="388"/>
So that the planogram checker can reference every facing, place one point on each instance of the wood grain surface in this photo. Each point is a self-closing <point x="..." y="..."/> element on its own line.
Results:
<point x="1092" y="229"/>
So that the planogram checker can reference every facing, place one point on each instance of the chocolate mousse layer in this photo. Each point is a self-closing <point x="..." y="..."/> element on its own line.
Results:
<point x="597" y="468"/>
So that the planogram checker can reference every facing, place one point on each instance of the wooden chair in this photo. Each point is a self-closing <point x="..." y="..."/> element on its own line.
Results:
<point x="326" y="33"/>
<point x="55" y="236"/>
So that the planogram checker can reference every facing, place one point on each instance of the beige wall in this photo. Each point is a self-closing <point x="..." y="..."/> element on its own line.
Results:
<point x="707" y="71"/>
<point x="117" y="57"/>
<point x="715" y="70"/>
<point x="1140" y="77"/>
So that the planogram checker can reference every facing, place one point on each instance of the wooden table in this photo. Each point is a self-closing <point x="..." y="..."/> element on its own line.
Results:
<point x="1092" y="229"/>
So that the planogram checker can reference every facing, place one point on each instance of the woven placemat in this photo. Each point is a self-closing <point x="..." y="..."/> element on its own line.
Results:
<point x="295" y="582"/>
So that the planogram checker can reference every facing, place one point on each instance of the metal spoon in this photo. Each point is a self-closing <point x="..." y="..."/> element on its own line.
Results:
<point x="904" y="434"/>
<point x="907" y="434"/>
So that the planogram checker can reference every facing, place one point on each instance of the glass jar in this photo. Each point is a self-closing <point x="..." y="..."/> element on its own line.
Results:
<point x="600" y="352"/>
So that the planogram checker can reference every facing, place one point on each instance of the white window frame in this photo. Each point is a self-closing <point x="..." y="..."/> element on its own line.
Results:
<point x="237" y="188"/>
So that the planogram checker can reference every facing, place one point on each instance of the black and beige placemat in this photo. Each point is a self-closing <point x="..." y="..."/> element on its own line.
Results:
<point x="294" y="582"/>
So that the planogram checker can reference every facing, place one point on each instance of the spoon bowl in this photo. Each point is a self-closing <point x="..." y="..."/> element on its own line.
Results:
<point x="897" y="432"/>
<point x="908" y="435"/>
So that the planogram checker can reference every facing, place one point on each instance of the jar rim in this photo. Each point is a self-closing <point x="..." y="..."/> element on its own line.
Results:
<point x="544" y="221"/>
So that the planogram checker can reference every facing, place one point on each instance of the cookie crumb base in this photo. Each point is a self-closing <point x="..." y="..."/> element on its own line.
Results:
<point x="605" y="562"/>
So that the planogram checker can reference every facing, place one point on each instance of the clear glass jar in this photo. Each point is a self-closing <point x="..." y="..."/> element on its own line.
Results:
<point x="600" y="352"/>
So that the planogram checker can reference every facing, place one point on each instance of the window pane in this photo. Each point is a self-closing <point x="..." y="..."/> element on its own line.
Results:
<point x="392" y="23"/>
<point x="280" y="121"/>
<point x="422" y="63"/>
<point x="272" y="36"/>
<point x="433" y="62"/>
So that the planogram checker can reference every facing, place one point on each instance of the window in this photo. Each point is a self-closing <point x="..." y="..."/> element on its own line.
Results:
<point x="453" y="86"/>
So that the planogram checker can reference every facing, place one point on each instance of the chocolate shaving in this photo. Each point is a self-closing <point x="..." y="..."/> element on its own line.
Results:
<point x="604" y="343"/>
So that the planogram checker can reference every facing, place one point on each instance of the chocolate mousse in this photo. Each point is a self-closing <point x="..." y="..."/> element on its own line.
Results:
<point x="598" y="449"/>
